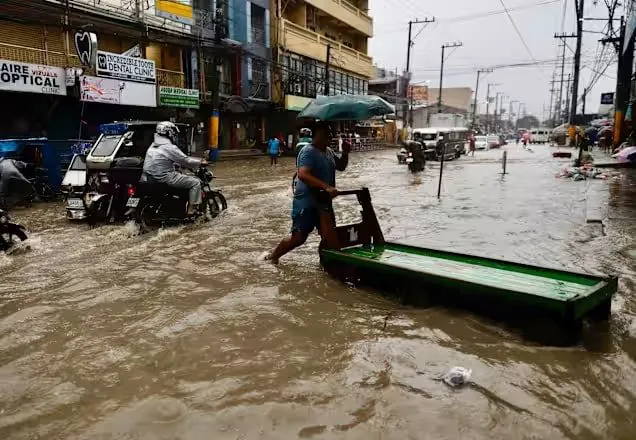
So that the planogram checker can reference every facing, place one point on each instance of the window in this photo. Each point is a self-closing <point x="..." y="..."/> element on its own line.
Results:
<point x="365" y="87"/>
<point x="332" y="82"/>
<point x="320" y="78"/>
<point x="106" y="145"/>
<point x="79" y="164"/>
<point x="310" y="78"/>
<point x="257" y="24"/>
<point x="338" y="84"/>
<point x="259" y="87"/>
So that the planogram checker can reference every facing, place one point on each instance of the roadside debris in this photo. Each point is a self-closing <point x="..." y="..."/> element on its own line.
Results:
<point x="582" y="173"/>
<point x="457" y="376"/>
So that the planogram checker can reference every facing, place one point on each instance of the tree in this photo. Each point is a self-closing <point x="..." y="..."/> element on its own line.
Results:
<point x="527" y="121"/>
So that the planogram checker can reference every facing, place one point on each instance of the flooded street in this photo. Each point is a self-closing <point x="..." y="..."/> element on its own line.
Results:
<point x="186" y="334"/>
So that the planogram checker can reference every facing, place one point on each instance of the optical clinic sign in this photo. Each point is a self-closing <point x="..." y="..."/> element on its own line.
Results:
<point x="112" y="65"/>
<point x="34" y="78"/>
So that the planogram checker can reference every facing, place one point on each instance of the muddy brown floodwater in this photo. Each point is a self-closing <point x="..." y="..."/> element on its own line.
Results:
<point x="185" y="334"/>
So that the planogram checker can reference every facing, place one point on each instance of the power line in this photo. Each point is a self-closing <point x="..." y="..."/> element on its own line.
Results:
<point x="516" y="29"/>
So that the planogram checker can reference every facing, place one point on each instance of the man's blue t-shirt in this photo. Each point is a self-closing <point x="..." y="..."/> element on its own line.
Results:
<point x="274" y="146"/>
<point x="323" y="167"/>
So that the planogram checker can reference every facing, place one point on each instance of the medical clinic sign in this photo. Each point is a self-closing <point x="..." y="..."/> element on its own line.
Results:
<point x="34" y="78"/>
<point x="112" y="65"/>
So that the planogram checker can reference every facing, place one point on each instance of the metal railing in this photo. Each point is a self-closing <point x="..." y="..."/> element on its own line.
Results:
<point x="170" y="78"/>
<point x="258" y="36"/>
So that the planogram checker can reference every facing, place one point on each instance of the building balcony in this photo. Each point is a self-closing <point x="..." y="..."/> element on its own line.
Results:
<point x="170" y="78"/>
<point x="37" y="56"/>
<point x="302" y="41"/>
<point x="346" y="13"/>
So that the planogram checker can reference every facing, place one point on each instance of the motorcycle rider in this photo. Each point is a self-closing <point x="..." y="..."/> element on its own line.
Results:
<point x="161" y="158"/>
<point x="13" y="184"/>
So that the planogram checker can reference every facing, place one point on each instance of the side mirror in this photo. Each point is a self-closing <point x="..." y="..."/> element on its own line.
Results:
<point x="128" y="143"/>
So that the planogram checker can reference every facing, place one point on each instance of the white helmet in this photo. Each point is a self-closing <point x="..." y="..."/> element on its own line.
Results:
<point x="169" y="130"/>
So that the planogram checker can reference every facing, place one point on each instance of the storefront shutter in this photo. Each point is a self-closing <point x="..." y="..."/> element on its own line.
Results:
<point x="22" y="42"/>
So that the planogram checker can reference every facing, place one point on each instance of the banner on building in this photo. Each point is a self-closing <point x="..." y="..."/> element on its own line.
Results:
<point x="296" y="103"/>
<point x="33" y="78"/>
<point x="178" y="97"/>
<point x="419" y="94"/>
<point x="113" y="91"/>
<point x="134" y="52"/>
<point x="607" y="98"/>
<point x="112" y="65"/>
<point x="607" y="103"/>
<point x="175" y="10"/>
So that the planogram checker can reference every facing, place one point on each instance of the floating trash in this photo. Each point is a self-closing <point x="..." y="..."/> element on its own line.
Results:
<point x="457" y="376"/>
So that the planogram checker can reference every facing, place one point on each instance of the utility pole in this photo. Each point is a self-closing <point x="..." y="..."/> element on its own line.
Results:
<point x="569" y="94"/>
<point x="623" y="83"/>
<point x="488" y="107"/>
<point x="327" y="66"/>
<point x="562" y="37"/>
<point x="441" y="73"/>
<point x="577" y="61"/>
<point x="584" y="99"/>
<point x="408" y="115"/>
<point x="510" y="109"/>
<point x="219" y="34"/>
<point x="497" y="115"/>
<point x="479" y="72"/>
<point x="551" y="98"/>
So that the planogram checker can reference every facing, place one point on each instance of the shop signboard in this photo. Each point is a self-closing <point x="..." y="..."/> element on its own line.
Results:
<point x="178" y="97"/>
<point x="296" y="103"/>
<point x="418" y="95"/>
<point x="85" y="47"/>
<point x="607" y="103"/>
<point x="33" y="78"/>
<point x="175" y="10"/>
<point x="112" y="65"/>
<point x="113" y="91"/>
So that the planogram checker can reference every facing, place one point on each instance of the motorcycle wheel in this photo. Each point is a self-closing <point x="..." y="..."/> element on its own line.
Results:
<point x="211" y="208"/>
<point x="145" y="217"/>
<point x="220" y="199"/>
<point x="7" y="240"/>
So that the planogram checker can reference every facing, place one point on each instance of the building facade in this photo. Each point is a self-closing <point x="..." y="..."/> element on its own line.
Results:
<point x="39" y="37"/>
<point x="303" y="32"/>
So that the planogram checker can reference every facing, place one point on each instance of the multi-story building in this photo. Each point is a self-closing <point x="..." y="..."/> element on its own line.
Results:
<point x="303" y="32"/>
<point x="39" y="37"/>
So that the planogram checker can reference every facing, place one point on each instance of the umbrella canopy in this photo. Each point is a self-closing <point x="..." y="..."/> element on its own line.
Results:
<point x="605" y="130"/>
<point x="346" y="107"/>
<point x="626" y="155"/>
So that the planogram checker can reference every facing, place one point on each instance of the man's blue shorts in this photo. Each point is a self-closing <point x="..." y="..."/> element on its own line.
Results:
<point x="305" y="220"/>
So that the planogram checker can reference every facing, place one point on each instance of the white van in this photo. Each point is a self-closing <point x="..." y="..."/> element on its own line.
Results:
<point x="539" y="136"/>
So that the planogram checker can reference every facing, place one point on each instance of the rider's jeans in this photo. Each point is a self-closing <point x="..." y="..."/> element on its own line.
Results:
<point x="191" y="183"/>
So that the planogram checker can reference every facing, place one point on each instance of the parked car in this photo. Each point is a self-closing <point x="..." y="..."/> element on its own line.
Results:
<point x="481" y="142"/>
<point x="493" y="141"/>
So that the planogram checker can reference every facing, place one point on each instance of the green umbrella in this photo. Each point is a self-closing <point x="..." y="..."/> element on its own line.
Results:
<point x="346" y="108"/>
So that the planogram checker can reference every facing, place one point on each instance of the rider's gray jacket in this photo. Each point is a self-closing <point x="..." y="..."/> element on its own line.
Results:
<point x="162" y="157"/>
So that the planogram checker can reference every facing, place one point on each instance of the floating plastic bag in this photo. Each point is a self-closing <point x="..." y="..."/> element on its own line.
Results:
<point x="457" y="376"/>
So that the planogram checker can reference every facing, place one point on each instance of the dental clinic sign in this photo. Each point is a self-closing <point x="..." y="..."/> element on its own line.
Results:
<point x="34" y="78"/>
<point x="112" y="65"/>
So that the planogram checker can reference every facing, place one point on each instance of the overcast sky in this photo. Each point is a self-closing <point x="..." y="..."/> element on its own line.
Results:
<point x="489" y="39"/>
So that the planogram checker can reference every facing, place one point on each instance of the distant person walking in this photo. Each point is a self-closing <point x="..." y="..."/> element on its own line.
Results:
<point x="273" y="147"/>
<point x="471" y="144"/>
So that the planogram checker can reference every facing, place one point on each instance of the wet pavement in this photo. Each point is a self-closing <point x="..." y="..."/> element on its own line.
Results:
<point x="185" y="334"/>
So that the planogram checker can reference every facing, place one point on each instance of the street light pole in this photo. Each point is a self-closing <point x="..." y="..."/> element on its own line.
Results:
<point x="441" y="73"/>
